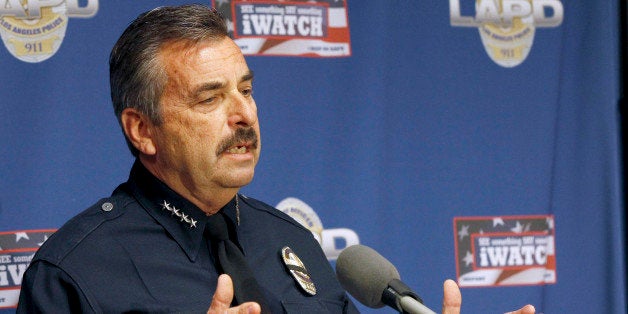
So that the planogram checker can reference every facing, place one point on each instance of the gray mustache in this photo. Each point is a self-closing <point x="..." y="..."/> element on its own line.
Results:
<point x="239" y="136"/>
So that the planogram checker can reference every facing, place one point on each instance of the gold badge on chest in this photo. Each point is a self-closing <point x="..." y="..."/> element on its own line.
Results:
<point x="298" y="270"/>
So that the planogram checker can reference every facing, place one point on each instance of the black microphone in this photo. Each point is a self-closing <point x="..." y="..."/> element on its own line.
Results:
<point x="375" y="282"/>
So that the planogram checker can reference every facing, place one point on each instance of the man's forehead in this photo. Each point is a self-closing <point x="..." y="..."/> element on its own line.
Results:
<point x="219" y="59"/>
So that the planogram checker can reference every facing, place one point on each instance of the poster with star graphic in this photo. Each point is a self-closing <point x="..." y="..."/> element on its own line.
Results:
<point x="17" y="249"/>
<point x="303" y="28"/>
<point x="505" y="251"/>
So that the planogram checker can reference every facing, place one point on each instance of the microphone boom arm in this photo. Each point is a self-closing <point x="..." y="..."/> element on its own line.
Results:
<point x="400" y="297"/>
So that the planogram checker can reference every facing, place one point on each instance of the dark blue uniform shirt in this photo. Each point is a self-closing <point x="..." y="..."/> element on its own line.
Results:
<point x="132" y="253"/>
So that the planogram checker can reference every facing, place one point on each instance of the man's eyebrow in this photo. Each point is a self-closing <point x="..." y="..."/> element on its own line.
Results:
<point x="218" y="85"/>
<point x="247" y="77"/>
<point x="207" y="87"/>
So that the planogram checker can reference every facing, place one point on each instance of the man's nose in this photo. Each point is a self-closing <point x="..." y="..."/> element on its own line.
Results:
<point x="243" y="111"/>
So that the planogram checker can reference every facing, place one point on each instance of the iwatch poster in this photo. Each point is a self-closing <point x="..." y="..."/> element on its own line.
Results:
<point x="505" y="250"/>
<point x="288" y="28"/>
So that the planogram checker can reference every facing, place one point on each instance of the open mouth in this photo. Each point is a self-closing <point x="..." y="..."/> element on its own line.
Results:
<point x="243" y="141"/>
<point x="237" y="150"/>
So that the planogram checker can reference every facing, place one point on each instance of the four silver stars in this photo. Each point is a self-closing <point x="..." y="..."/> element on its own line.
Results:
<point x="177" y="212"/>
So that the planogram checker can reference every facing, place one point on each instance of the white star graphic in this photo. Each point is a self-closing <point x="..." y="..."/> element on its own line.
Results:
<point x="42" y="242"/>
<point x="550" y="223"/>
<point x="497" y="221"/>
<point x="468" y="259"/>
<point x="229" y="25"/>
<point x="21" y="235"/>
<point x="463" y="232"/>
<point x="193" y="223"/>
<point x="518" y="228"/>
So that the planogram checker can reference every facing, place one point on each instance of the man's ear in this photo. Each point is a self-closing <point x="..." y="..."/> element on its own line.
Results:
<point x="138" y="129"/>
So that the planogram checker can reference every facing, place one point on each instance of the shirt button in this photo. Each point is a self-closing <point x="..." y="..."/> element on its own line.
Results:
<point x="107" y="207"/>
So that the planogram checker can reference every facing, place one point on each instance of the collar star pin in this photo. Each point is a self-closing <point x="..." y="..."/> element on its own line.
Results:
<point x="178" y="213"/>
<point x="298" y="270"/>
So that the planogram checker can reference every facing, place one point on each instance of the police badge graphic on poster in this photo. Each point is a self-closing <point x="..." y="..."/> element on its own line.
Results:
<point x="332" y="240"/>
<point x="33" y="30"/>
<point x="507" y="27"/>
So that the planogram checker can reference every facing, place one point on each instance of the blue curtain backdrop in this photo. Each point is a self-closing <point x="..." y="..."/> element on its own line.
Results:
<point x="418" y="126"/>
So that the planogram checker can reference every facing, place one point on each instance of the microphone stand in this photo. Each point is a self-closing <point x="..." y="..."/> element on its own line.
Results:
<point x="400" y="297"/>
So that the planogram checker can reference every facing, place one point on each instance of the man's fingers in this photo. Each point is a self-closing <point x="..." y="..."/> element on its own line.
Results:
<point x="452" y="299"/>
<point x="223" y="295"/>
<point x="247" y="308"/>
<point x="528" y="309"/>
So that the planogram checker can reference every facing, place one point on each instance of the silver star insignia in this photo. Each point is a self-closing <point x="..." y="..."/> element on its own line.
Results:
<point x="177" y="212"/>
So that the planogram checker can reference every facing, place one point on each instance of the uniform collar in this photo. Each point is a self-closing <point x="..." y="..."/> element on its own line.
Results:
<point x="183" y="220"/>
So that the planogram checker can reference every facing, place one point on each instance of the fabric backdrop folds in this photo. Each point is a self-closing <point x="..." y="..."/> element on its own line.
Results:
<point x="418" y="126"/>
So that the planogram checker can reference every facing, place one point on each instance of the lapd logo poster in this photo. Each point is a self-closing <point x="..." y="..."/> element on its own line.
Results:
<point x="332" y="240"/>
<point x="507" y="27"/>
<point x="33" y="30"/>
<point x="505" y="251"/>
<point x="288" y="28"/>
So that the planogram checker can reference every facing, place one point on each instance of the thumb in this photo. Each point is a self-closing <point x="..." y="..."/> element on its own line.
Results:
<point x="221" y="302"/>
<point x="452" y="299"/>
<point x="223" y="295"/>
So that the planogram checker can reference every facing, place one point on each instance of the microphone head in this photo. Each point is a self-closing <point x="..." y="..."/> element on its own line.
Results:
<point x="365" y="274"/>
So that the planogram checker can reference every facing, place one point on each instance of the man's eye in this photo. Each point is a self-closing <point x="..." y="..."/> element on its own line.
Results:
<point x="247" y="92"/>
<point x="209" y="100"/>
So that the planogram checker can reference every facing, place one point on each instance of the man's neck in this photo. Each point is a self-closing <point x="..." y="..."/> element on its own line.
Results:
<point x="209" y="199"/>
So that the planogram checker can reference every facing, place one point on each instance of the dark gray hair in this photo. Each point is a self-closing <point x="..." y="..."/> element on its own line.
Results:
<point x="136" y="76"/>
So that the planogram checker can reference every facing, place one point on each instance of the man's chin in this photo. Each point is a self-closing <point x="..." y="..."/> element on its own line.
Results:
<point x="240" y="180"/>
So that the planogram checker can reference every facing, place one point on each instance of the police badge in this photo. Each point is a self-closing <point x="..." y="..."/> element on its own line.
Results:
<point x="298" y="270"/>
